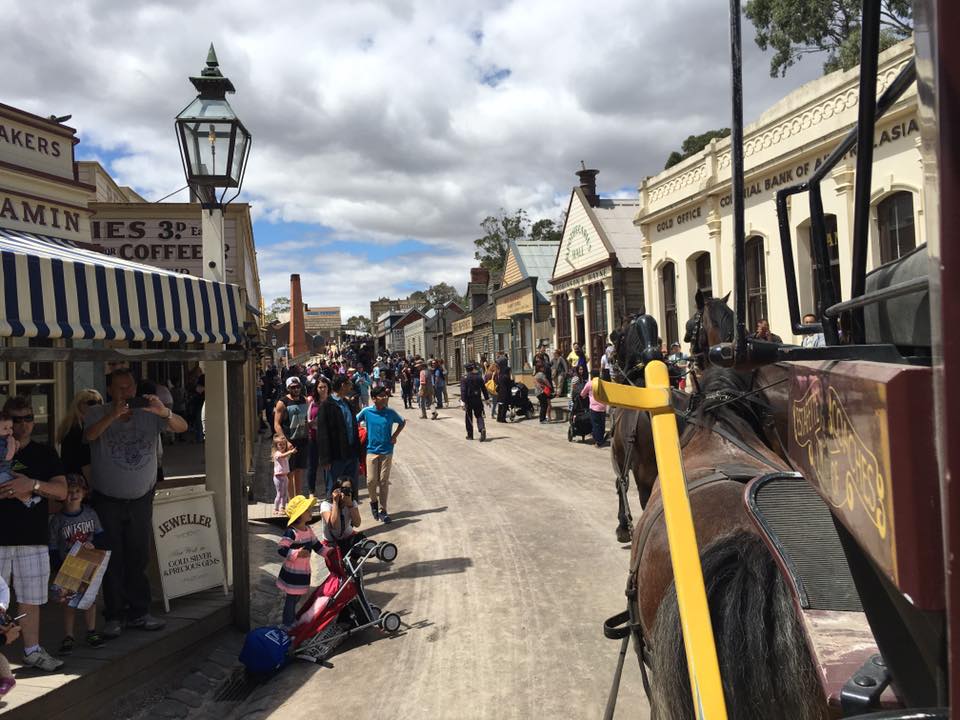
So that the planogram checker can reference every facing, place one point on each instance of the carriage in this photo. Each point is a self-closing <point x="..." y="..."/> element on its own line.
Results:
<point x="800" y="559"/>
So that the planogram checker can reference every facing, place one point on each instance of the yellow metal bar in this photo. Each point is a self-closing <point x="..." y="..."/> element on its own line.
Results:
<point x="705" y="683"/>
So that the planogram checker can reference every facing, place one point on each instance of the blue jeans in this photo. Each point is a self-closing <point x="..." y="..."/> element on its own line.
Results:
<point x="339" y="468"/>
<point x="598" y="420"/>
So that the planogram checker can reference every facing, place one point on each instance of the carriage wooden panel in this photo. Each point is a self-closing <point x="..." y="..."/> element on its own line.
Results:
<point x="862" y="433"/>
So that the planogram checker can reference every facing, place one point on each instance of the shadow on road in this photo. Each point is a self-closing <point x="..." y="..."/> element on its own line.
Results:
<point x="498" y="437"/>
<point x="383" y="527"/>
<point x="423" y="568"/>
<point x="414" y="513"/>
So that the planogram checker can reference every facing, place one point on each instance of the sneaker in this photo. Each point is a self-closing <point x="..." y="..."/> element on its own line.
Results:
<point x="384" y="518"/>
<point x="469" y="437"/>
<point x="434" y="416"/>
<point x="42" y="660"/>
<point x="6" y="685"/>
<point x="94" y="639"/>
<point x="483" y="435"/>
<point x="146" y="622"/>
<point x="375" y="510"/>
<point x="112" y="629"/>
<point x="66" y="647"/>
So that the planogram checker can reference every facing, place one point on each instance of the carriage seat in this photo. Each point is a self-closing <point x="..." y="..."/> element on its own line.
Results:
<point x="903" y="321"/>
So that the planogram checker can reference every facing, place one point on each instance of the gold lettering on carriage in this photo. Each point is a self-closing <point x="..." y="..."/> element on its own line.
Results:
<point x="846" y="470"/>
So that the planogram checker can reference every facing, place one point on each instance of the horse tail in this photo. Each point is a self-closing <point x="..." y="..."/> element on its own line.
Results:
<point x="765" y="665"/>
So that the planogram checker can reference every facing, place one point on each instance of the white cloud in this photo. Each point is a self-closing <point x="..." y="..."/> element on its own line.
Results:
<point x="370" y="118"/>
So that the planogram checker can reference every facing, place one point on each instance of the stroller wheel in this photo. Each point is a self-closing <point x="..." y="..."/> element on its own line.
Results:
<point x="375" y="612"/>
<point x="386" y="552"/>
<point x="570" y="434"/>
<point x="390" y="622"/>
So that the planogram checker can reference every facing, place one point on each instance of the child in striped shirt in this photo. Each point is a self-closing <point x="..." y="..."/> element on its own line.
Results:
<point x="296" y="543"/>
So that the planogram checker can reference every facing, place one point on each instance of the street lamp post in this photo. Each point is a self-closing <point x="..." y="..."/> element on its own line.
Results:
<point x="214" y="146"/>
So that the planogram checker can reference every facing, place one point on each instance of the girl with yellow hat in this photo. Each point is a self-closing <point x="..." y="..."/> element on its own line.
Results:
<point x="295" y="546"/>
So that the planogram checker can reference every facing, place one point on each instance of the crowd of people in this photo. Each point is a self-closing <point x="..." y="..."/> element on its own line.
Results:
<point x="98" y="491"/>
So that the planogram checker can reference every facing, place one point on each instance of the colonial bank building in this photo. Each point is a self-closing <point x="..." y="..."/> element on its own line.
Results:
<point x="685" y="214"/>
<point x="93" y="277"/>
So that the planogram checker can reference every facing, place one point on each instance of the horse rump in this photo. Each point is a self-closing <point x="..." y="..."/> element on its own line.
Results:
<point x="765" y="665"/>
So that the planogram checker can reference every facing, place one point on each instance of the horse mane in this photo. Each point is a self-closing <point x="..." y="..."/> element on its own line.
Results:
<point x="718" y="386"/>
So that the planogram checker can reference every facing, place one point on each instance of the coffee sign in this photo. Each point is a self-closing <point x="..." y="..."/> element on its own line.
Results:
<point x="165" y="243"/>
<point x="188" y="544"/>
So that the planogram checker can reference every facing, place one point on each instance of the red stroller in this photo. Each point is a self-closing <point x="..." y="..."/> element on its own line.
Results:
<point x="339" y="607"/>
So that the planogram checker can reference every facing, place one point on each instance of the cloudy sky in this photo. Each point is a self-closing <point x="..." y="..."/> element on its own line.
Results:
<point x="384" y="132"/>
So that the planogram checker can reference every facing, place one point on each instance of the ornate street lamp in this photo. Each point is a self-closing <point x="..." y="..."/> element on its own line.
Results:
<point x="214" y="144"/>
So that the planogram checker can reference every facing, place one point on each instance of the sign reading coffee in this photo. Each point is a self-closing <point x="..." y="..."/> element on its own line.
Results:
<point x="169" y="244"/>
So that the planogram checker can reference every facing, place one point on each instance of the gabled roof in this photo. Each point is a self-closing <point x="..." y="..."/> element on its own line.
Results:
<point x="535" y="259"/>
<point x="612" y="220"/>
<point x="408" y="317"/>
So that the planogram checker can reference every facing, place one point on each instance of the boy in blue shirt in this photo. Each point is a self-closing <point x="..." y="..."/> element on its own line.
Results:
<point x="381" y="438"/>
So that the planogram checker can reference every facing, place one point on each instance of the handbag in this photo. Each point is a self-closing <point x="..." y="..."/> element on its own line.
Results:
<point x="491" y="385"/>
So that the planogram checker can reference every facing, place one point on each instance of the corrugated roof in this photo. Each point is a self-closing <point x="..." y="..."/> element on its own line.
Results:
<point x="536" y="259"/>
<point x="616" y="217"/>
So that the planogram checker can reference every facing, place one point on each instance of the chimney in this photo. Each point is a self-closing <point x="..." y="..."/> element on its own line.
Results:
<point x="297" y="346"/>
<point x="588" y="183"/>
<point x="479" y="275"/>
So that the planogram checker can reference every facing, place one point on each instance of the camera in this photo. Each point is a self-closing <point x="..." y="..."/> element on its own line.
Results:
<point x="138" y="402"/>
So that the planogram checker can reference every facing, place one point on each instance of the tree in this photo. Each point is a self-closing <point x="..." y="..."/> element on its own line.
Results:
<point x="546" y="231"/>
<point x="442" y="293"/>
<point x="794" y="28"/>
<point x="418" y="296"/>
<point x="498" y="232"/>
<point x="694" y="144"/>
<point x="360" y="323"/>
<point x="279" y="305"/>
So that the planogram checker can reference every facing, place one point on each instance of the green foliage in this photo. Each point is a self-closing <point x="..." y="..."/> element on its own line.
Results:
<point x="418" y="296"/>
<point x="279" y="305"/>
<point x="794" y="28"/>
<point x="442" y="293"/>
<point x="546" y="231"/>
<point x="360" y="323"/>
<point x="694" y="144"/>
<point x="498" y="232"/>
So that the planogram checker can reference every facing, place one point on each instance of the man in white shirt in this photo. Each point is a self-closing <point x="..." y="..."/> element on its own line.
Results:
<point x="815" y="340"/>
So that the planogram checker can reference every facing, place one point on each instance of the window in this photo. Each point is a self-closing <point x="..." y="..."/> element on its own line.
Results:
<point x="704" y="282"/>
<point x="898" y="235"/>
<point x="756" y="281"/>
<point x="668" y="289"/>
<point x="833" y="256"/>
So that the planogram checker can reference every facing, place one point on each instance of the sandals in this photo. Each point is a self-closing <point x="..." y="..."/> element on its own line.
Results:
<point x="95" y="639"/>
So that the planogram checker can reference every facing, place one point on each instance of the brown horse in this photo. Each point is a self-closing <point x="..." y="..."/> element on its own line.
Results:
<point x="764" y="661"/>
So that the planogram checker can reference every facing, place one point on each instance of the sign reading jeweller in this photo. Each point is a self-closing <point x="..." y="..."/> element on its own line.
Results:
<point x="188" y="543"/>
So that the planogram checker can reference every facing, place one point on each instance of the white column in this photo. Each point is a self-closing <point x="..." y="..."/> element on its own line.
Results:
<point x="555" y="313"/>
<point x="572" y="302"/>
<point x="611" y="320"/>
<point x="216" y="448"/>
<point x="585" y="290"/>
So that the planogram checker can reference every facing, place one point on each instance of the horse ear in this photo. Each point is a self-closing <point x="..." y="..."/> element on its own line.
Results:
<point x="726" y="298"/>
<point x="699" y="299"/>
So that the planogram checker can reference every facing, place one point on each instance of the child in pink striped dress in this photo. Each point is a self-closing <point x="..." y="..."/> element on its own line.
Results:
<point x="295" y="546"/>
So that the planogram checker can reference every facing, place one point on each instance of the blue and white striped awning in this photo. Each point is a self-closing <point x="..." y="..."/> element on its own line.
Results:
<point x="51" y="288"/>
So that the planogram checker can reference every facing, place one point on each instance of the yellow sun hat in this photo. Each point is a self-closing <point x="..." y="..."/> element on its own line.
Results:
<point x="298" y="506"/>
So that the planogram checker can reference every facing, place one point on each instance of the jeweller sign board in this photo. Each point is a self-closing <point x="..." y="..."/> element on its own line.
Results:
<point x="188" y="543"/>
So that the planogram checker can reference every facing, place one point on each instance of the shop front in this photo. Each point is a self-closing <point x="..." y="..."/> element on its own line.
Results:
<point x="70" y="314"/>
<point x="597" y="275"/>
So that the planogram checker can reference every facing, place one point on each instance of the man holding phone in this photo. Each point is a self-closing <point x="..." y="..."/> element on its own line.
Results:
<point x="123" y="437"/>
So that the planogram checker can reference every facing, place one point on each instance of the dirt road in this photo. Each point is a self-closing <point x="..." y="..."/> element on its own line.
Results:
<point x="507" y="567"/>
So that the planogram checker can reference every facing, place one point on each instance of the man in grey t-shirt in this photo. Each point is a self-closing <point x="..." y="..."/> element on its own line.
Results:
<point x="123" y="439"/>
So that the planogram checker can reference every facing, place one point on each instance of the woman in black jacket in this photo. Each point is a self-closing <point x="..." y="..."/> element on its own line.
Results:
<point x="504" y="386"/>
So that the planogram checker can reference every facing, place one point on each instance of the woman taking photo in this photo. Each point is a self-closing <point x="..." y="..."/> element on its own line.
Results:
<point x="315" y="419"/>
<point x="74" y="453"/>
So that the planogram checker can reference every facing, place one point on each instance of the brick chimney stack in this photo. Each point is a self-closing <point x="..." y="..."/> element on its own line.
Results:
<point x="297" y="346"/>
<point x="588" y="183"/>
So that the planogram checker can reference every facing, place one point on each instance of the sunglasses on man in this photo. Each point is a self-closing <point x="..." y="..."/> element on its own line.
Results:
<point x="22" y="418"/>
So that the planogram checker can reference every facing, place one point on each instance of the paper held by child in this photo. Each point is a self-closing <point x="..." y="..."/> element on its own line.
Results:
<point x="80" y="575"/>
